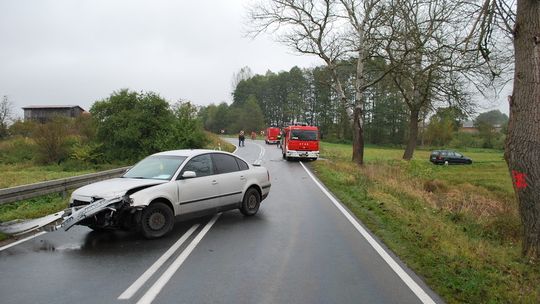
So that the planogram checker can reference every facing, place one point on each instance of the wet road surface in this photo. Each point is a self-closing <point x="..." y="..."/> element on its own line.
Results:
<point x="299" y="248"/>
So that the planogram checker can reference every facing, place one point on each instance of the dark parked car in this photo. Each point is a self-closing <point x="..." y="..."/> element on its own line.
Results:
<point x="448" y="157"/>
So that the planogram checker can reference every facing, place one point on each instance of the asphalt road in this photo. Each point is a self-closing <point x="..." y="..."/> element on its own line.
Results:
<point x="299" y="248"/>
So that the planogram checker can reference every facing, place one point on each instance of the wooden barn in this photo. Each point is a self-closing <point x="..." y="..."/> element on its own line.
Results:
<point x="47" y="112"/>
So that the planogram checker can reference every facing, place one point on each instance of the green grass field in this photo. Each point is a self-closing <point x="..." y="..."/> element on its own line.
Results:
<point x="456" y="226"/>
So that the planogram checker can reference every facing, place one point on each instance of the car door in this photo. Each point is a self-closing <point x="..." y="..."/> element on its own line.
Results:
<point x="455" y="157"/>
<point x="232" y="179"/>
<point x="459" y="158"/>
<point x="202" y="191"/>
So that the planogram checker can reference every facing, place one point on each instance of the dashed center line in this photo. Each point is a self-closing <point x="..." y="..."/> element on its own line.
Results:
<point x="128" y="293"/>
<point x="152" y="293"/>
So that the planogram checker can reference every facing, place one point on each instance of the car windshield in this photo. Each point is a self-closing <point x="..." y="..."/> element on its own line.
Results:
<point x="303" y="135"/>
<point x="156" y="167"/>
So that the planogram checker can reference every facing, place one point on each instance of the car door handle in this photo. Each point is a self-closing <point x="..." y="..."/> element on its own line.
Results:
<point x="214" y="182"/>
<point x="242" y="177"/>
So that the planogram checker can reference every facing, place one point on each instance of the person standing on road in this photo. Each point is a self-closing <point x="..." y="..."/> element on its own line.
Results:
<point x="241" y="138"/>
<point x="253" y="135"/>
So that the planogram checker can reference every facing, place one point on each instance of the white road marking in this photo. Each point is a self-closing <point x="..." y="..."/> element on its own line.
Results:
<point x="416" y="289"/>
<point x="261" y="154"/>
<point x="151" y="294"/>
<point x="131" y="290"/>
<point x="23" y="240"/>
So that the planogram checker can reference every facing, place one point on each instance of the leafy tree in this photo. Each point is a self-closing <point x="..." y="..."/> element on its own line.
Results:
<point x="131" y="125"/>
<point x="51" y="138"/>
<point x="489" y="125"/>
<point x="493" y="118"/>
<point x="187" y="129"/>
<point x="23" y="128"/>
<point x="6" y="113"/>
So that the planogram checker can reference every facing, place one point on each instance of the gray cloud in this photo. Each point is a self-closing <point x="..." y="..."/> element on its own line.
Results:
<point x="76" y="52"/>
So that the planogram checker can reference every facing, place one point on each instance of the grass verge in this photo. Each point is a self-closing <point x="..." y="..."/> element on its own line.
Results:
<point x="216" y="143"/>
<point x="456" y="226"/>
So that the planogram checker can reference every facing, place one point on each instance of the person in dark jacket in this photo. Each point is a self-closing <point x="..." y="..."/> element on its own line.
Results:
<point x="241" y="139"/>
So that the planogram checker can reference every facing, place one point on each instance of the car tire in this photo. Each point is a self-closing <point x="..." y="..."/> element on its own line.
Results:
<point x="251" y="202"/>
<point x="469" y="162"/>
<point x="156" y="220"/>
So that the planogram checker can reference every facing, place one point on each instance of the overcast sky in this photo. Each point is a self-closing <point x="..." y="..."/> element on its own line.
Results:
<point x="77" y="52"/>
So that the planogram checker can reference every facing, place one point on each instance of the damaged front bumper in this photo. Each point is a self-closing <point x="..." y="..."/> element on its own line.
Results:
<point x="102" y="213"/>
<point x="80" y="215"/>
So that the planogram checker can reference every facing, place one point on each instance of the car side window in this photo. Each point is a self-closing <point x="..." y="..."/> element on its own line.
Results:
<point x="444" y="153"/>
<point x="242" y="164"/>
<point x="457" y="155"/>
<point x="224" y="163"/>
<point x="201" y="165"/>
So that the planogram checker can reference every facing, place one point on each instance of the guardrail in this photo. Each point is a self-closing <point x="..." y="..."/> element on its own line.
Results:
<point x="9" y="195"/>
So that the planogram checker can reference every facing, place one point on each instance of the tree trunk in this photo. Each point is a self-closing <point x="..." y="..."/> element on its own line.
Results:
<point x="358" y="136"/>
<point x="413" y="135"/>
<point x="358" y="111"/>
<point x="522" y="152"/>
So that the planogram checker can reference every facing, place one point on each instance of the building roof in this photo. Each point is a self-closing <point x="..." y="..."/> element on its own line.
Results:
<point x="52" y="107"/>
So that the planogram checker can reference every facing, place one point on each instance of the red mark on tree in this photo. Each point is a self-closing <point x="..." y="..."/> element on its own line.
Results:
<point x="519" y="179"/>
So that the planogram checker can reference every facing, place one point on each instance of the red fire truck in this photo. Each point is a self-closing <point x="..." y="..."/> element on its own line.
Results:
<point x="300" y="141"/>
<point x="272" y="135"/>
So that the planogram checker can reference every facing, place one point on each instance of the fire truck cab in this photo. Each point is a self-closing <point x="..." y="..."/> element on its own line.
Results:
<point x="300" y="141"/>
<point x="272" y="135"/>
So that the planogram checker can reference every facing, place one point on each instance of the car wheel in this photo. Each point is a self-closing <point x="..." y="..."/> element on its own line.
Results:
<point x="469" y="162"/>
<point x="251" y="202"/>
<point x="157" y="220"/>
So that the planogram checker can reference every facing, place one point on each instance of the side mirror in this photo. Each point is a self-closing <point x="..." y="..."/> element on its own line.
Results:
<point x="189" y="174"/>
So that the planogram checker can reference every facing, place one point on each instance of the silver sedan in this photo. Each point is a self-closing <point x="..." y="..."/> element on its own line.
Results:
<point x="181" y="183"/>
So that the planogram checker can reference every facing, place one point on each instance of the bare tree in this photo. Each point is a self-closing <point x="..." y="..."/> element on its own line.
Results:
<point x="244" y="74"/>
<point x="6" y="114"/>
<point x="427" y="45"/>
<point x="333" y="30"/>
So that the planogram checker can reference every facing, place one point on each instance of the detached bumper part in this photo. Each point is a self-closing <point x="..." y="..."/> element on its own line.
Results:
<point x="88" y="211"/>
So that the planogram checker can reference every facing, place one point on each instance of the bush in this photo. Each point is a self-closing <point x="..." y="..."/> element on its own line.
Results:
<point x="462" y="140"/>
<point x="132" y="125"/>
<point x="88" y="153"/>
<point x="22" y="128"/>
<point x="17" y="150"/>
<point x="52" y="142"/>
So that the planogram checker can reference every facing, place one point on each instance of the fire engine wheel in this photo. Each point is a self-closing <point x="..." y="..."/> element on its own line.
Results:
<point x="251" y="202"/>
<point x="157" y="220"/>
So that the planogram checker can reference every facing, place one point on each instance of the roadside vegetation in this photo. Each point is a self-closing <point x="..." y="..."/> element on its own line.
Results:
<point x="119" y="130"/>
<point x="456" y="226"/>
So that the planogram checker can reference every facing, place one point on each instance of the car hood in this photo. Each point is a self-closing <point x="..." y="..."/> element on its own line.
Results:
<point x="114" y="187"/>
